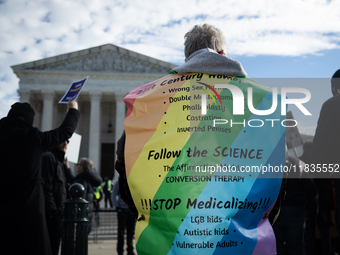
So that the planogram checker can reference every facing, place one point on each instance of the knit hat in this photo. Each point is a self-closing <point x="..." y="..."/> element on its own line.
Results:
<point x="23" y="110"/>
<point x="335" y="82"/>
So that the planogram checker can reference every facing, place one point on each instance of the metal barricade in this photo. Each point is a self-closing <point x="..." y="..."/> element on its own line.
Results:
<point x="104" y="225"/>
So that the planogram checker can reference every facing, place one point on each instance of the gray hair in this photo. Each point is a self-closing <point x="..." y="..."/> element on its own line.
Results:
<point x="86" y="163"/>
<point x="203" y="36"/>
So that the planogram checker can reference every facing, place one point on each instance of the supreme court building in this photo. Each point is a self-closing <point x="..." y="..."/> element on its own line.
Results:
<point x="113" y="72"/>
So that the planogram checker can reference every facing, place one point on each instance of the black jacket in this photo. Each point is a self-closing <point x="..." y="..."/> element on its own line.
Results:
<point x="56" y="177"/>
<point x="301" y="191"/>
<point x="124" y="190"/>
<point x="325" y="148"/>
<point x="21" y="192"/>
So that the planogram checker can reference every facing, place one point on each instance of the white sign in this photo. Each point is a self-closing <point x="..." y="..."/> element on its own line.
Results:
<point x="73" y="148"/>
<point x="293" y="137"/>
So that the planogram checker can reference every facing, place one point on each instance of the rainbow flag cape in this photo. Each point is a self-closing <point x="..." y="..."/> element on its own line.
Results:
<point x="203" y="178"/>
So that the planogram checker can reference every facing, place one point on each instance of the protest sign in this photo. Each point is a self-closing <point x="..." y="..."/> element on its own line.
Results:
<point x="73" y="91"/>
<point x="203" y="180"/>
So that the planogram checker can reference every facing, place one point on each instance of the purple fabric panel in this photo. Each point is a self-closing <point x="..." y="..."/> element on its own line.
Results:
<point x="266" y="242"/>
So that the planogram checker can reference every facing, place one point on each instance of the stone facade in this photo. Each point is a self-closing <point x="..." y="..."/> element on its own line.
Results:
<point x="113" y="72"/>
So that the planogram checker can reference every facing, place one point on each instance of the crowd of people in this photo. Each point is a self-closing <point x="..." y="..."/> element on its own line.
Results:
<point x="36" y="161"/>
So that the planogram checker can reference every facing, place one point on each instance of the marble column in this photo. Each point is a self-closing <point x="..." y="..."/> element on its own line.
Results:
<point x="37" y="106"/>
<point x="95" y="131"/>
<point x="120" y="116"/>
<point x="25" y="95"/>
<point x="47" y="116"/>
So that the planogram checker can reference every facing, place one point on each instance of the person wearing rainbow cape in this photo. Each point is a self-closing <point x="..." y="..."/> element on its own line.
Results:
<point x="204" y="151"/>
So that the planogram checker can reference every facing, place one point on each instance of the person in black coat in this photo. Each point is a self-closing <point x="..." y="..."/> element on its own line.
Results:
<point x="300" y="203"/>
<point x="89" y="178"/>
<point x="57" y="175"/>
<point x="21" y="190"/>
<point x="325" y="148"/>
<point x="324" y="155"/>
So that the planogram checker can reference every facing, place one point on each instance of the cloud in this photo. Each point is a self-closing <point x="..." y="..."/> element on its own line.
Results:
<point x="31" y="30"/>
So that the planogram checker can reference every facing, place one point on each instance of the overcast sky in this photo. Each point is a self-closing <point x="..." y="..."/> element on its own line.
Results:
<point x="274" y="38"/>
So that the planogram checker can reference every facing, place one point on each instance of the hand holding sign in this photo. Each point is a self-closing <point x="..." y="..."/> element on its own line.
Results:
<point x="72" y="104"/>
<point x="73" y="91"/>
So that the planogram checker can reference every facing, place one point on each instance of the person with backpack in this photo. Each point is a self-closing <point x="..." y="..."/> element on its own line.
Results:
<point x="89" y="178"/>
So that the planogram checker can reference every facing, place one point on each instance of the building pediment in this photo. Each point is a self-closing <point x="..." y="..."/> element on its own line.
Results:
<point x="105" y="58"/>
